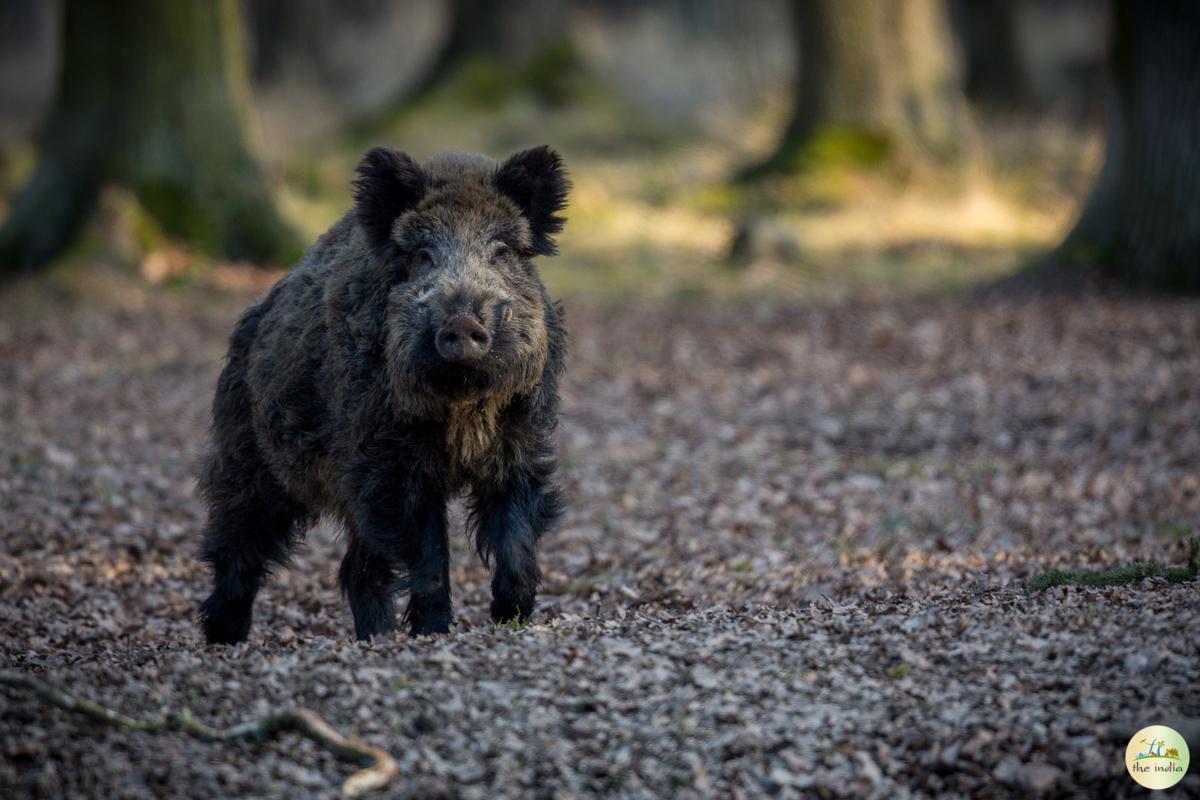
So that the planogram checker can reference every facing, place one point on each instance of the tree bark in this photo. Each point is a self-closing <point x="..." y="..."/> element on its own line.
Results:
<point x="996" y="76"/>
<point x="1141" y="223"/>
<point x="877" y="78"/>
<point x="473" y="33"/>
<point x="152" y="95"/>
<point x="500" y="31"/>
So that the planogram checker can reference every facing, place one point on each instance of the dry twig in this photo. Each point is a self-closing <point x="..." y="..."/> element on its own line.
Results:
<point x="378" y="766"/>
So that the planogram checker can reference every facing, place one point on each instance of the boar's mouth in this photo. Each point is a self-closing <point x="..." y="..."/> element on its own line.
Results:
<point x="424" y="383"/>
<point x="460" y="381"/>
<point x="438" y="379"/>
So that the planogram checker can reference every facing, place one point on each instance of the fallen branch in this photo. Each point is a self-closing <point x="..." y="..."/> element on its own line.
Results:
<point x="378" y="766"/>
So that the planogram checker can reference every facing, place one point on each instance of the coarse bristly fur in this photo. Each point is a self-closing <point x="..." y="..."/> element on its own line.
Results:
<point x="338" y="397"/>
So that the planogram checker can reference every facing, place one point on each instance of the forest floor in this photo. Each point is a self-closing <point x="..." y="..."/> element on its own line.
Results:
<point x="793" y="565"/>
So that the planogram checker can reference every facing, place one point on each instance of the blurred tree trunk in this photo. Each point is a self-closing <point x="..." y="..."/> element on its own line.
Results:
<point x="152" y="95"/>
<point x="474" y="32"/>
<point x="1141" y="223"/>
<point x="877" y="78"/>
<point x="996" y="74"/>
<point x="501" y="31"/>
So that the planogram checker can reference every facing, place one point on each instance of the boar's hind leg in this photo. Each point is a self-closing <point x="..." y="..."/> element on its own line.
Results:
<point x="509" y="521"/>
<point x="367" y="581"/>
<point x="247" y="537"/>
<point x="243" y="545"/>
<point x="253" y="523"/>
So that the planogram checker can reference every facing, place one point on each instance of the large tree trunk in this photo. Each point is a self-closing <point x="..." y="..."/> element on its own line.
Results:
<point x="474" y="33"/>
<point x="876" y="78"/>
<point x="500" y="31"/>
<point x="1141" y="224"/>
<point x="152" y="95"/>
<point x="995" y="65"/>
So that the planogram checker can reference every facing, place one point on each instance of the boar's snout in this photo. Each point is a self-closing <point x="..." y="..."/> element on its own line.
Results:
<point x="463" y="339"/>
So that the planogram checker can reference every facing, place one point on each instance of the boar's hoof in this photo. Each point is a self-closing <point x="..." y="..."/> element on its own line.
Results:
<point x="223" y="624"/>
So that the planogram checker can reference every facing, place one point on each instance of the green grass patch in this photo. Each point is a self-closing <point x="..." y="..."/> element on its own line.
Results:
<point x="1115" y="576"/>
<point x="517" y="623"/>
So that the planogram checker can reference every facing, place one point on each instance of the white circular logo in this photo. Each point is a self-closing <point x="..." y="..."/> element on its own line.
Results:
<point x="1157" y="757"/>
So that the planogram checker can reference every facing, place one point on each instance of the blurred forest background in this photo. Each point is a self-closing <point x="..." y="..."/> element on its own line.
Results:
<point x="879" y="424"/>
<point x="716" y="147"/>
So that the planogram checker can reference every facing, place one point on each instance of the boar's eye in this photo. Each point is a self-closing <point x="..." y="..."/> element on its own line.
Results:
<point x="422" y="260"/>
<point x="500" y="254"/>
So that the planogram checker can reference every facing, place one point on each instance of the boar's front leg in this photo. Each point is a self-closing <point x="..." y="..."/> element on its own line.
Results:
<point x="509" y="519"/>
<point x="368" y="581"/>
<point x="400" y="523"/>
<point x="428" y="562"/>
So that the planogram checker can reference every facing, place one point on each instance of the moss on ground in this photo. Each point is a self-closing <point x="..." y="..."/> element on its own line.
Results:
<point x="834" y="147"/>
<point x="1128" y="573"/>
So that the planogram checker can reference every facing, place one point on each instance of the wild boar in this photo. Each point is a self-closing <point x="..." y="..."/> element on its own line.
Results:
<point x="412" y="354"/>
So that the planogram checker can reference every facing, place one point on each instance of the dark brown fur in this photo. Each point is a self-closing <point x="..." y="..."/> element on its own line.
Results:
<point x="336" y="400"/>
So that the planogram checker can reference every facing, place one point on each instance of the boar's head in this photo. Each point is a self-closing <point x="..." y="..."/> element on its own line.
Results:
<point x="467" y="314"/>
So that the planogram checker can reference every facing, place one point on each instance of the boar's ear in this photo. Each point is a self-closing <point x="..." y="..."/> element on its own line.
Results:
<point x="389" y="183"/>
<point x="537" y="182"/>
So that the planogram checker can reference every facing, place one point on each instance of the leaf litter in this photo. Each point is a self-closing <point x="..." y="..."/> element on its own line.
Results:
<point x="794" y="564"/>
